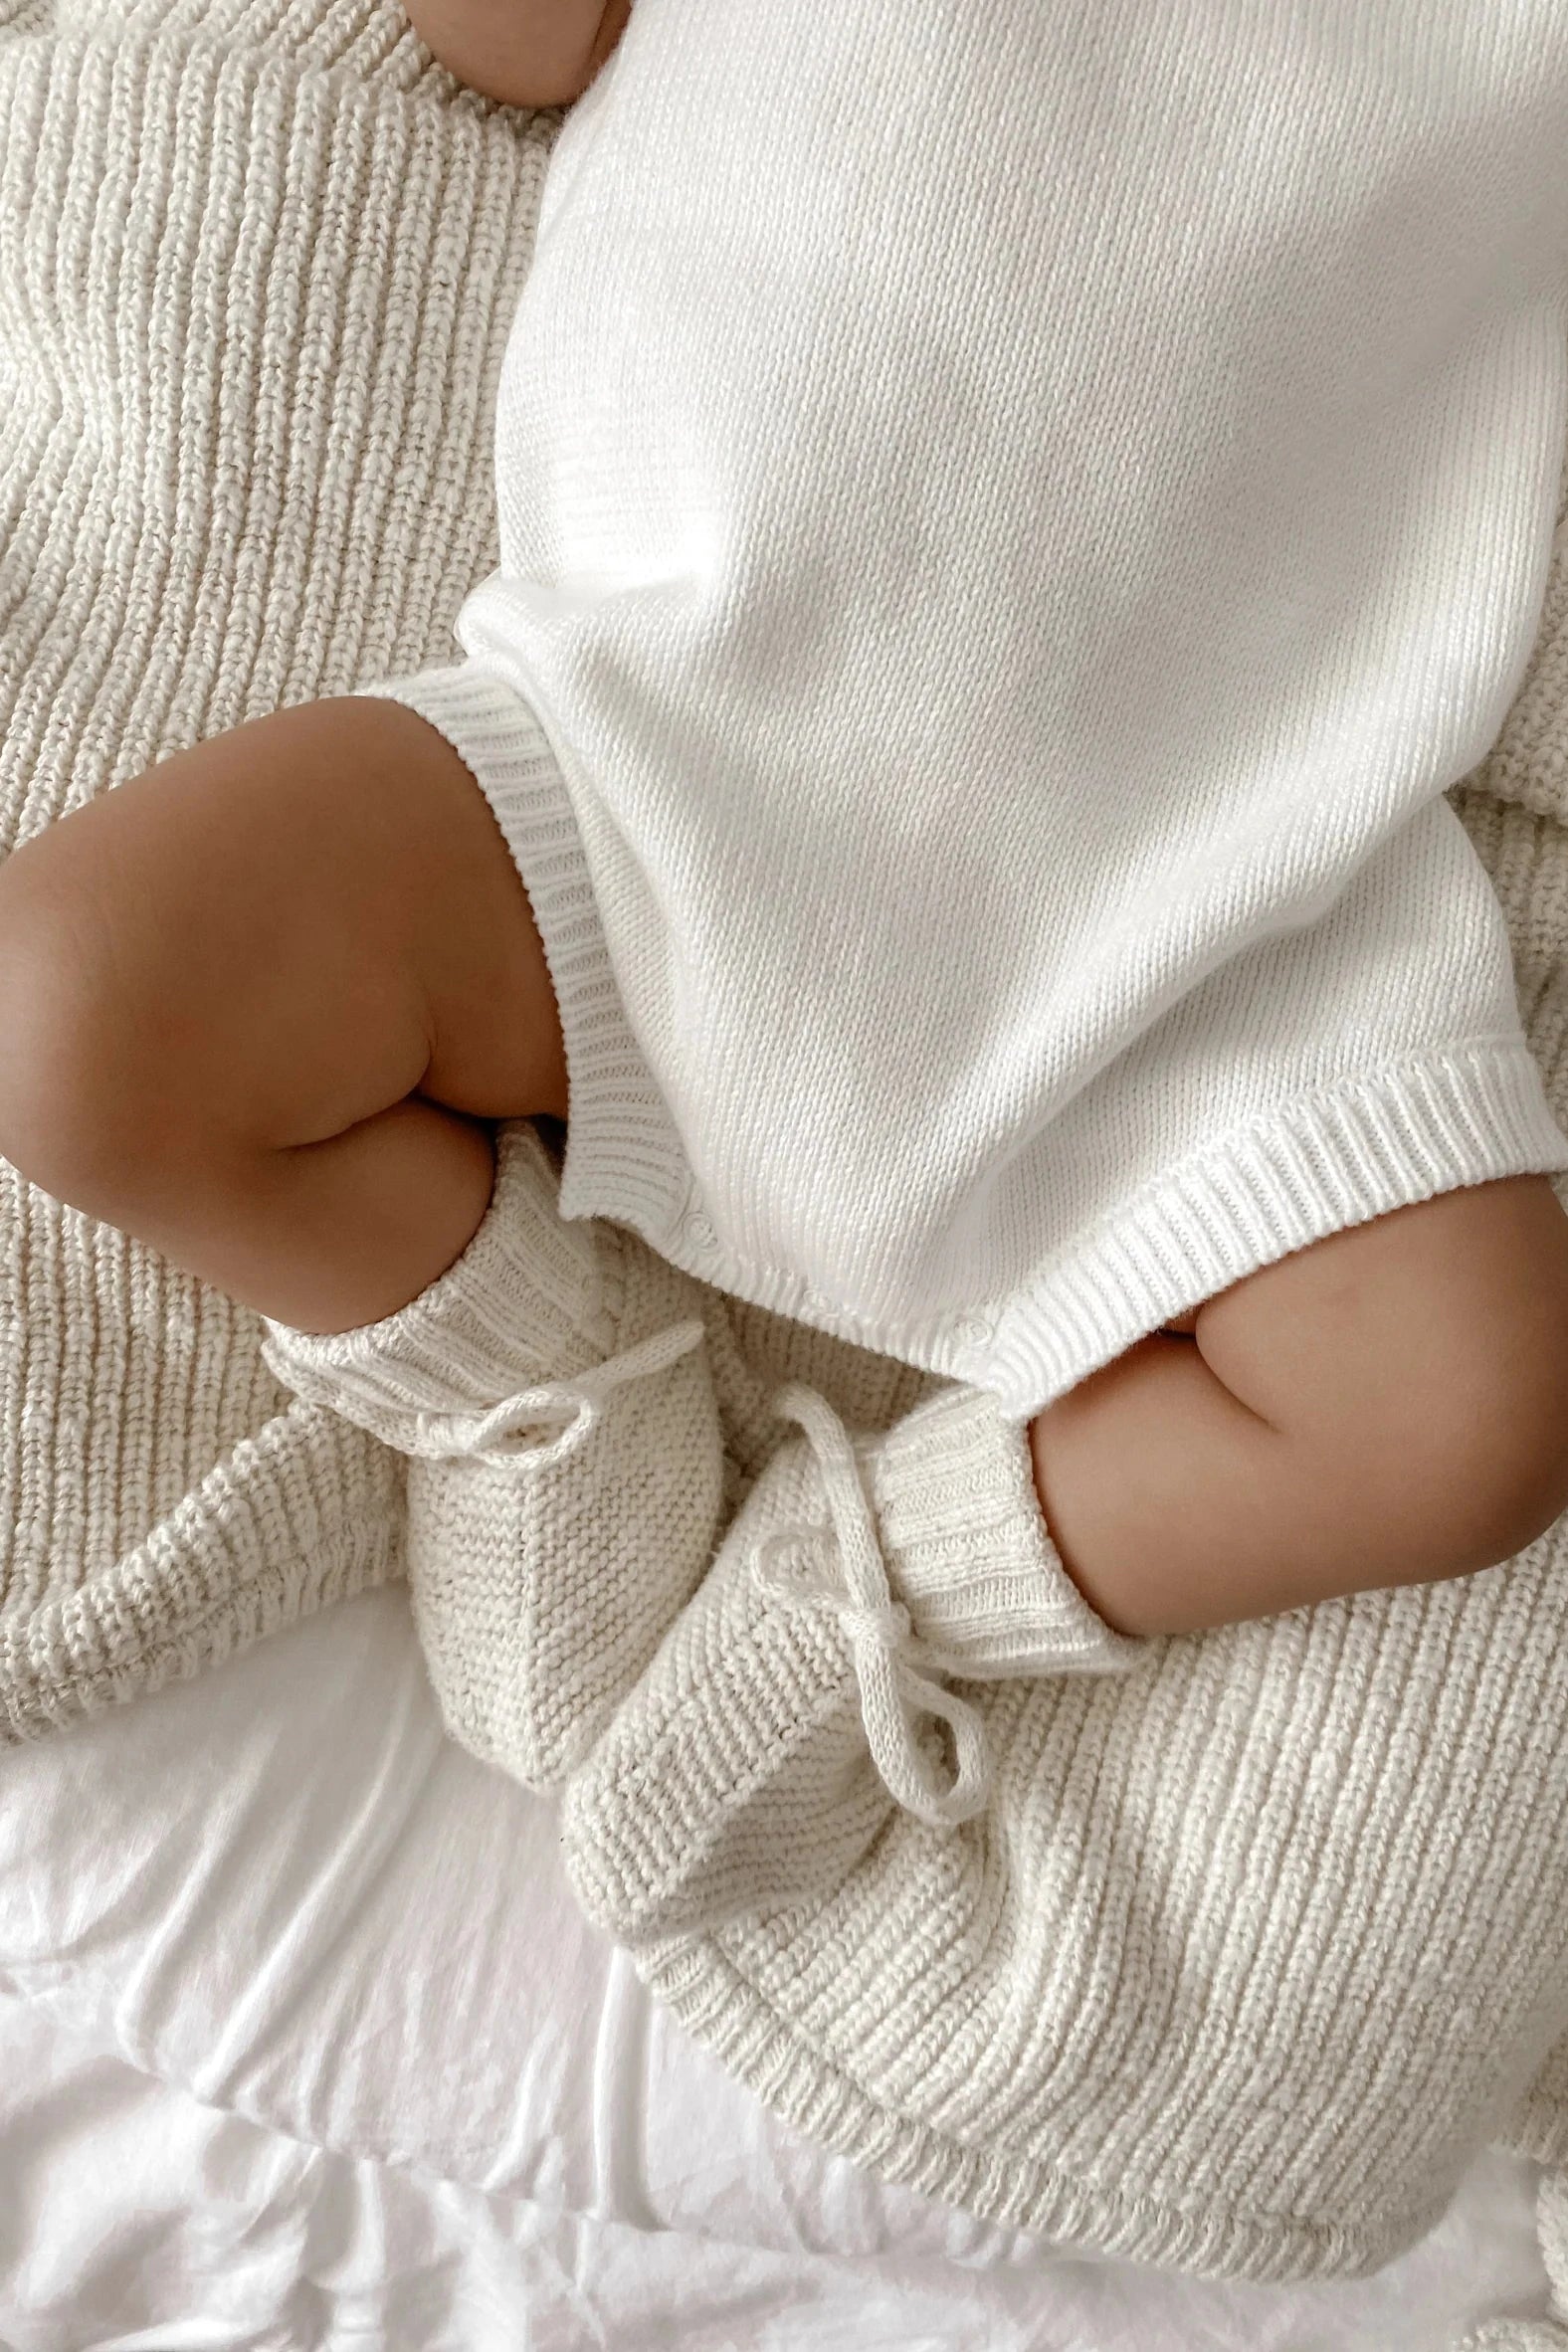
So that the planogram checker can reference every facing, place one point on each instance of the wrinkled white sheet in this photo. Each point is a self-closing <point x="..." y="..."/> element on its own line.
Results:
<point x="135" y="2216"/>
<point x="302" y="2043"/>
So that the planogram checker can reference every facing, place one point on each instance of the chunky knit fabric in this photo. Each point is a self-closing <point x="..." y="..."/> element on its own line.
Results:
<point x="742" y="1726"/>
<point x="1254" y="1943"/>
<point x="1011" y="517"/>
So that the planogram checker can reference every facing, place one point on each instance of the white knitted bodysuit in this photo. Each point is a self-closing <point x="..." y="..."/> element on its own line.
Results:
<point x="1005" y="553"/>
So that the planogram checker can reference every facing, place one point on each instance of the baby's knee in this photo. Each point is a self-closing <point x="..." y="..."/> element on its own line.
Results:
<point x="1496" y="1479"/>
<point x="1419" y="1362"/>
<point x="1472" y="1435"/>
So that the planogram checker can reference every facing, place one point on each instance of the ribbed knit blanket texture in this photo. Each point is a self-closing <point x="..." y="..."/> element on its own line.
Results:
<point x="1265" y="1940"/>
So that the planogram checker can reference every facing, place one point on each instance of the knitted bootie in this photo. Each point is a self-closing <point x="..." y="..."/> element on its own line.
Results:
<point x="795" y="1700"/>
<point x="564" y="1482"/>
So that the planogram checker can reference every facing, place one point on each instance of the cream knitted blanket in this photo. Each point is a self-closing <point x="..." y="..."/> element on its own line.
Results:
<point x="1295" y="1914"/>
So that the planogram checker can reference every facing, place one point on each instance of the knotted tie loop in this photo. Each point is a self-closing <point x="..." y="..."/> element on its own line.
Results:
<point x="577" y="1405"/>
<point x="886" y="1658"/>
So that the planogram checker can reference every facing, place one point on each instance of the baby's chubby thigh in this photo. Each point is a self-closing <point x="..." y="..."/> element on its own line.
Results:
<point x="253" y="952"/>
<point x="1420" y="1362"/>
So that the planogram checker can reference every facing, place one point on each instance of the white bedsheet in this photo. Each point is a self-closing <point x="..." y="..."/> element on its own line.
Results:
<point x="302" y="2043"/>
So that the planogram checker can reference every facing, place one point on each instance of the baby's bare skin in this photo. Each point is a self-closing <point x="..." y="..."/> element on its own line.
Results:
<point x="261" y="1003"/>
<point x="1394" y="1396"/>
<point x="527" y="53"/>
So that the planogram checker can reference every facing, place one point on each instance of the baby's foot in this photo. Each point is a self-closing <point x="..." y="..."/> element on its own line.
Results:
<point x="553" y="1394"/>
<point x="798" y="1697"/>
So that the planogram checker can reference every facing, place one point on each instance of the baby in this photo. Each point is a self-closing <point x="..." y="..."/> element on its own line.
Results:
<point x="1133" y="1018"/>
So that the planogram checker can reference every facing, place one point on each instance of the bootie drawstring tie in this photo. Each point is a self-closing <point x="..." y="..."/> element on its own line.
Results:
<point x="574" y="1407"/>
<point x="851" y="1572"/>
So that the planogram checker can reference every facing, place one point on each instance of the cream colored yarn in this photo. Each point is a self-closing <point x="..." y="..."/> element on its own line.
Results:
<point x="1258" y="1944"/>
<point x="552" y="1391"/>
<point x="794" y="1700"/>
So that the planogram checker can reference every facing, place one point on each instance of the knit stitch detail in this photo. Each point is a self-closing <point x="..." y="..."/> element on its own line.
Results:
<point x="960" y="1522"/>
<point x="844" y="1559"/>
<point x="1217" y="975"/>
<point x="736" y="2017"/>
<point x="1463" y="1115"/>
<point x="530" y="1301"/>
<point x="737" y="1770"/>
<point x="565" y="1473"/>
<point x="617" y="1117"/>
<point x="306" y="1514"/>
<point x="1459" y="1114"/>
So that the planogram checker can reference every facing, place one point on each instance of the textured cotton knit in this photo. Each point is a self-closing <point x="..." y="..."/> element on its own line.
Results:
<point x="1011" y="517"/>
<point x="565" y="1474"/>
<point x="1259" y="1941"/>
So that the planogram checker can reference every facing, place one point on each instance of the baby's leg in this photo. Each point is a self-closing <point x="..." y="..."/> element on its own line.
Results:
<point x="259" y="1003"/>
<point x="1389" y="1406"/>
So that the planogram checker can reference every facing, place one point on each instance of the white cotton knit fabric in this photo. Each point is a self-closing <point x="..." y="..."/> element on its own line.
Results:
<point x="1011" y="517"/>
<point x="1258" y="1942"/>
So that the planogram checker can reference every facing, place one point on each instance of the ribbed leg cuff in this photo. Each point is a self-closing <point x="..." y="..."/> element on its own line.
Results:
<point x="967" y="1547"/>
